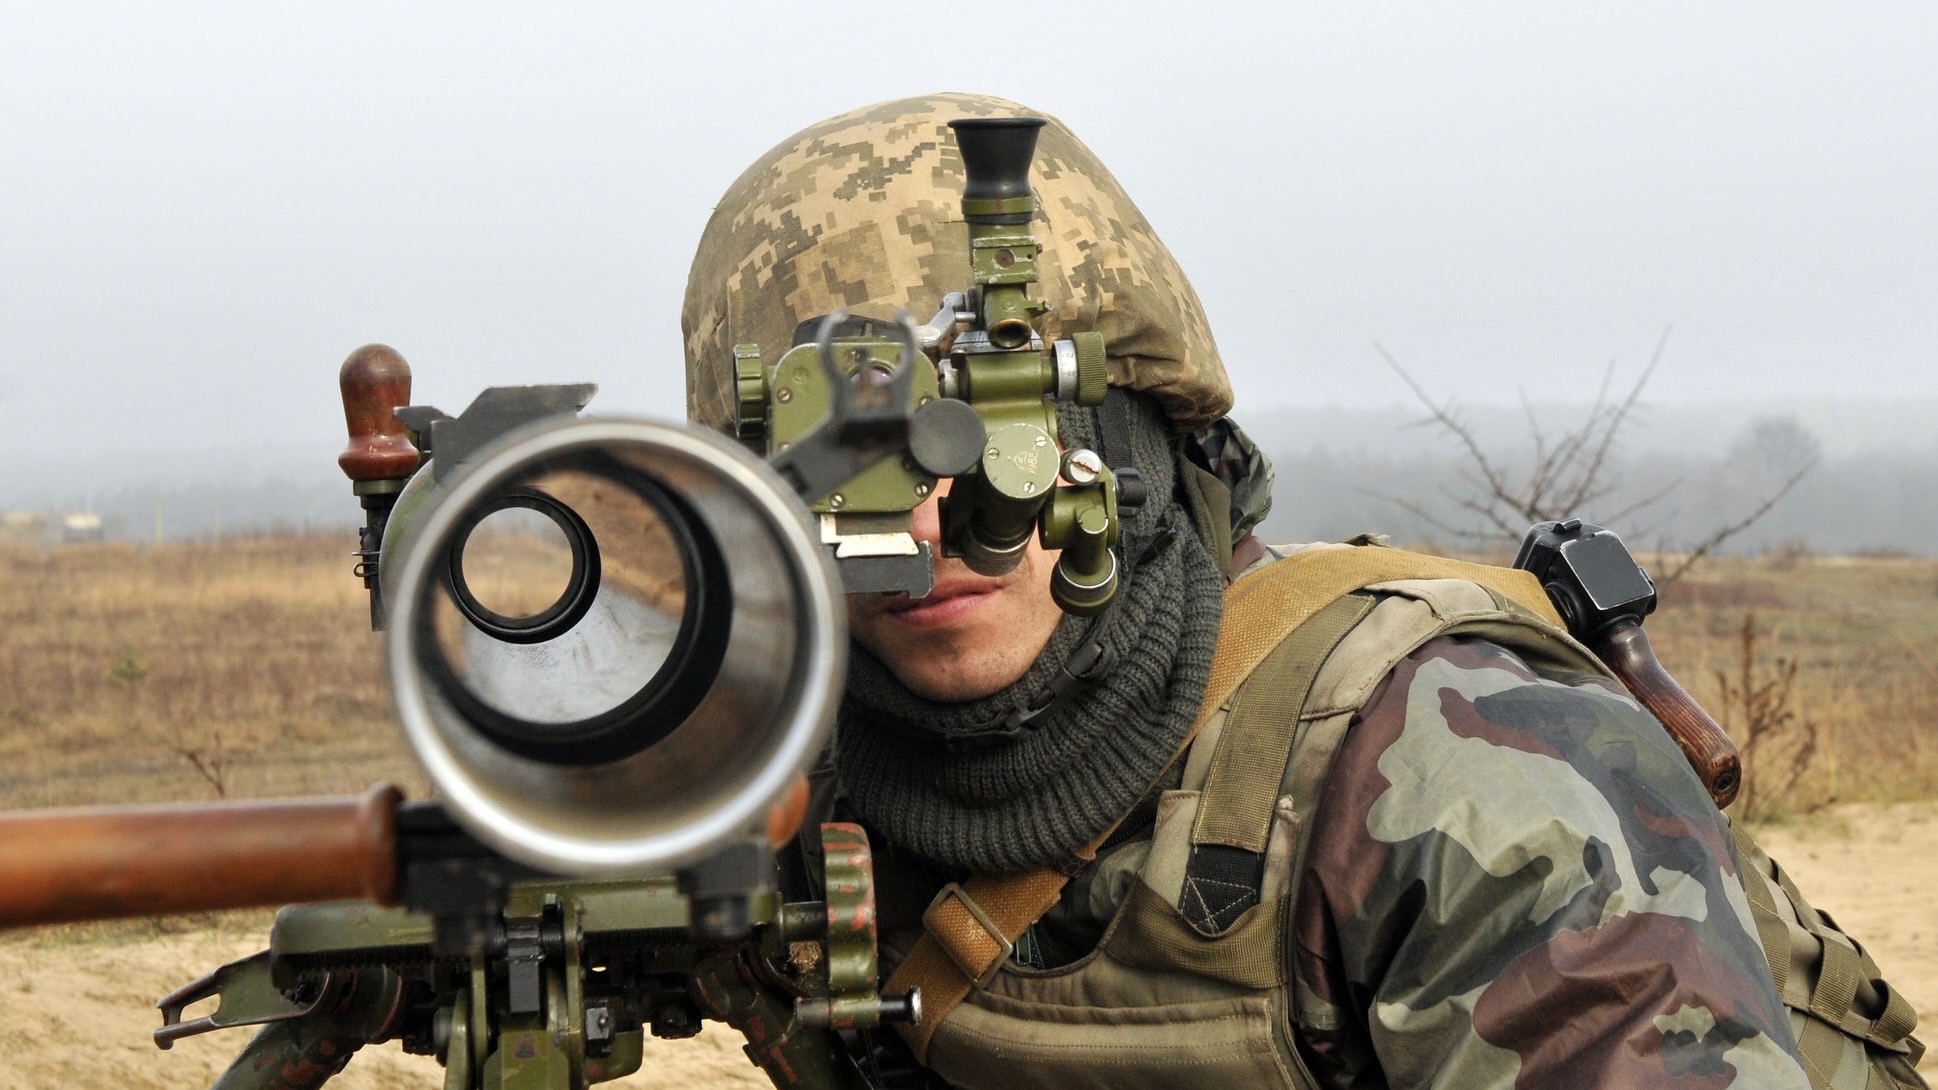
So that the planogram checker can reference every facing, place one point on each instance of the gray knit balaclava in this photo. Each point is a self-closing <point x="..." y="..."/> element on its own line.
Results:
<point x="969" y="785"/>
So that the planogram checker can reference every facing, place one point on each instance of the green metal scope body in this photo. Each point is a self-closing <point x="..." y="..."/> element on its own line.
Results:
<point x="983" y="350"/>
<point x="792" y="398"/>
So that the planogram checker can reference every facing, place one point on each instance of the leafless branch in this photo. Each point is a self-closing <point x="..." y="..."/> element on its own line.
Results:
<point x="1570" y="470"/>
<point x="1621" y="514"/>
<point x="1444" y="416"/>
<point x="1709" y="544"/>
<point x="1566" y="469"/>
<point x="1615" y="422"/>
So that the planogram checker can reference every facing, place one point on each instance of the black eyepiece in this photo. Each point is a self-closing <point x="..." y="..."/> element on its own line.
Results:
<point x="996" y="154"/>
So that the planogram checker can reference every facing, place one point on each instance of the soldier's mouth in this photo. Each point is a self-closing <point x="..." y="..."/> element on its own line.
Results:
<point x="946" y="605"/>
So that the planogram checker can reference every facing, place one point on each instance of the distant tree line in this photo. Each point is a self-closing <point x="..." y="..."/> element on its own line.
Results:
<point x="1340" y="473"/>
<point x="1879" y="501"/>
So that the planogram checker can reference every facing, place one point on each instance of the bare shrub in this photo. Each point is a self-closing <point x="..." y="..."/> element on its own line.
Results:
<point x="210" y="763"/>
<point x="1570" y="469"/>
<point x="1777" y="744"/>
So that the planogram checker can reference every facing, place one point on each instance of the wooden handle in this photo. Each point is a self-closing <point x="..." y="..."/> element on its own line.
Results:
<point x="1627" y="651"/>
<point x="375" y="380"/>
<point x="113" y="862"/>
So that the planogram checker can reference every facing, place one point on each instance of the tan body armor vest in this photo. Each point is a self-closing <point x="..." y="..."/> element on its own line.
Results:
<point x="1191" y="988"/>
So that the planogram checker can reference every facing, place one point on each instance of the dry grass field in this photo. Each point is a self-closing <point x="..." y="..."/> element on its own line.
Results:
<point x="188" y="672"/>
<point x="135" y="674"/>
<point x="1860" y="634"/>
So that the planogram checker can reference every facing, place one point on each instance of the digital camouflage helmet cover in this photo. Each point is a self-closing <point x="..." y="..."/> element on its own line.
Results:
<point x="863" y="211"/>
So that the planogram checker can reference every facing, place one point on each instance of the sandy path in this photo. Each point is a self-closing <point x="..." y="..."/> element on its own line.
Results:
<point x="76" y="1005"/>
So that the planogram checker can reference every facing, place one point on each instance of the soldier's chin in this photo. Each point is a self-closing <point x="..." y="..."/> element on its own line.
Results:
<point x="956" y="689"/>
<point x="951" y="678"/>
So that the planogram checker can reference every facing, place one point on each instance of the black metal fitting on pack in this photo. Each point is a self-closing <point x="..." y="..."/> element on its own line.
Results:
<point x="1589" y="574"/>
<point x="1602" y="594"/>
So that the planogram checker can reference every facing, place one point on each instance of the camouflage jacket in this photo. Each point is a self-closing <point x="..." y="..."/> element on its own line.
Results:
<point x="1518" y="881"/>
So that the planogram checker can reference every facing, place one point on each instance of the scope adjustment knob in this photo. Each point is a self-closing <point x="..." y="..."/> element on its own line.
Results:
<point x="750" y="393"/>
<point x="1093" y="378"/>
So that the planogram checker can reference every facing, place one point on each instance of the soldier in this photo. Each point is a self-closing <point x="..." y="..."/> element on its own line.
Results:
<point x="1510" y="875"/>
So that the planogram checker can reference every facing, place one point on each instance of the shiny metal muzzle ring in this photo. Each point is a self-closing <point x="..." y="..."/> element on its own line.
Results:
<point x="614" y="645"/>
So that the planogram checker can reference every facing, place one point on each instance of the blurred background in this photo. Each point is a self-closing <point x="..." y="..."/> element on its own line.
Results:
<point x="207" y="206"/>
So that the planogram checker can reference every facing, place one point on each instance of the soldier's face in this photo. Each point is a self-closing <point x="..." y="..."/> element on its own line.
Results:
<point x="974" y="635"/>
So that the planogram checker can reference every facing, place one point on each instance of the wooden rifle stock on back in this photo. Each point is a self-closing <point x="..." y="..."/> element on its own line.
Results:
<point x="1627" y="651"/>
<point x="96" y="863"/>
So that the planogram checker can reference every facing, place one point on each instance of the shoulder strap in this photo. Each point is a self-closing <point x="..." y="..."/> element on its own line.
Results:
<point x="1827" y="978"/>
<point x="971" y="928"/>
<point x="1251" y="755"/>
<point x="1225" y="873"/>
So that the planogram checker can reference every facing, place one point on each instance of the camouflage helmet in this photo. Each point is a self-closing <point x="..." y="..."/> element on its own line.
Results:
<point x="864" y="211"/>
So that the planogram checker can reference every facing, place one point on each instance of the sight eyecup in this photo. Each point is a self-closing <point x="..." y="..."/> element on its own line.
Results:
<point x="996" y="155"/>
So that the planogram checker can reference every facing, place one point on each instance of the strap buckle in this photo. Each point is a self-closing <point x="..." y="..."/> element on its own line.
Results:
<point x="947" y="919"/>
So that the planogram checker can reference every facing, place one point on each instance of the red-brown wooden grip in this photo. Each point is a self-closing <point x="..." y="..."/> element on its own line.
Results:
<point x="1627" y="651"/>
<point x="375" y="380"/>
<point x="115" y="862"/>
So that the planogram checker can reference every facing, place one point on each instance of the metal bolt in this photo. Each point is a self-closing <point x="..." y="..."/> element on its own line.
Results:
<point x="837" y="501"/>
<point x="921" y="491"/>
<point x="815" y="1012"/>
<point x="1004" y="259"/>
<point x="1082" y="466"/>
<point x="1029" y="488"/>
<point x="992" y="452"/>
<point x="784" y="395"/>
<point x="1042" y="440"/>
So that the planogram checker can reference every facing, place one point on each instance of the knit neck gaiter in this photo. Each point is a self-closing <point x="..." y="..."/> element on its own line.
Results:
<point x="965" y="785"/>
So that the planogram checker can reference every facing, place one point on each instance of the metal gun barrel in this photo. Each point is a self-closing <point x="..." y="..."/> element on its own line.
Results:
<point x="95" y="863"/>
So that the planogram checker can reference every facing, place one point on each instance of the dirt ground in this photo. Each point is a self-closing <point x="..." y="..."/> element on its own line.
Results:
<point x="76" y="1004"/>
<point x="77" y="1010"/>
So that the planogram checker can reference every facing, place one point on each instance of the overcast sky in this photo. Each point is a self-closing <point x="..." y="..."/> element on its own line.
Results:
<point x="204" y="208"/>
